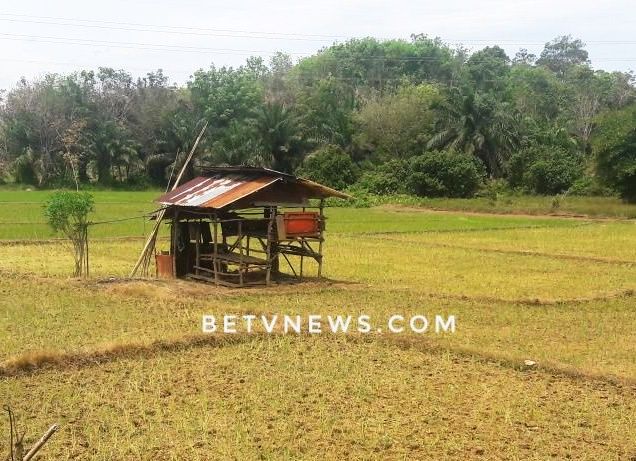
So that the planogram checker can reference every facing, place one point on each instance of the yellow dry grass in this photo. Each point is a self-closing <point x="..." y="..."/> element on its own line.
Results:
<point x="121" y="365"/>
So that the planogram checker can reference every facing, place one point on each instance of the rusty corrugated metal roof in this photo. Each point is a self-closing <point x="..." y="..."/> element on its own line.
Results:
<point x="221" y="187"/>
<point x="215" y="191"/>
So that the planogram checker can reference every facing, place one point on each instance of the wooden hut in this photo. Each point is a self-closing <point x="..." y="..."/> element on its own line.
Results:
<point x="239" y="226"/>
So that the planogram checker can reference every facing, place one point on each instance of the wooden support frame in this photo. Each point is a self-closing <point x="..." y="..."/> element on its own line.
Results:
<point x="241" y="251"/>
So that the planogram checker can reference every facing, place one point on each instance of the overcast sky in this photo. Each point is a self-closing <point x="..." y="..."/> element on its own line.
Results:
<point x="181" y="36"/>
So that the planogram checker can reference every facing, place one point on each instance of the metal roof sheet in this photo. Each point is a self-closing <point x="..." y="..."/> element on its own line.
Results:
<point x="215" y="191"/>
<point x="221" y="187"/>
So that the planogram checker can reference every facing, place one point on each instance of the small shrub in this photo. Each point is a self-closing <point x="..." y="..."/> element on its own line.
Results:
<point x="494" y="190"/>
<point x="589" y="186"/>
<point x="544" y="170"/>
<point x="67" y="213"/>
<point x="387" y="179"/>
<point x="444" y="174"/>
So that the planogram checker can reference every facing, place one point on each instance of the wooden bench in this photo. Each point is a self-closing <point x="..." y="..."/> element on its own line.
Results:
<point x="234" y="258"/>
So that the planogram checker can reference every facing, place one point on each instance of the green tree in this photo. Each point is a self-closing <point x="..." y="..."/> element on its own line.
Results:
<point x="239" y="145"/>
<point x="398" y="125"/>
<point x="489" y="69"/>
<point x="325" y="112"/>
<point x="614" y="145"/>
<point x="536" y="92"/>
<point x="545" y="170"/>
<point x="278" y="134"/>
<point x="220" y="95"/>
<point x="563" y="52"/>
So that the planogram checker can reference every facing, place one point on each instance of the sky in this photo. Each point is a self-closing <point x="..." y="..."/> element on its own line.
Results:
<point x="182" y="36"/>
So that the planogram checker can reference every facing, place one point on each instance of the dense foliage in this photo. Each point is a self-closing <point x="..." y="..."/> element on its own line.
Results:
<point x="331" y="166"/>
<point x="431" y="174"/>
<point x="615" y="146"/>
<point x="414" y="116"/>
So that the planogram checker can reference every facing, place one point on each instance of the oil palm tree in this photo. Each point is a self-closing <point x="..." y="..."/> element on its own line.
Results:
<point x="477" y="125"/>
<point x="238" y="145"/>
<point x="279" y="137"/>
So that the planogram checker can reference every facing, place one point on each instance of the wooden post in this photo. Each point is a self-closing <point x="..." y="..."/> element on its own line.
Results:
<point x="322" y="221"/>
<point x="302" y="258"/>
<point x="240" y="245"/>
<point x="215" y="261"/>
<point x="175" y="228"/>
<point x="198" y="248"/>
<point x="270" y="212"/>
<point x="270" y="236"/>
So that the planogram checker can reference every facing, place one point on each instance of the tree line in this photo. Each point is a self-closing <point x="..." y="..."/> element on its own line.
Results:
<point x="379" y="116"/>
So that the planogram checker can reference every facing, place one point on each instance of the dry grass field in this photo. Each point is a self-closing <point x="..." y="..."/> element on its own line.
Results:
<point x="122" y="366"/>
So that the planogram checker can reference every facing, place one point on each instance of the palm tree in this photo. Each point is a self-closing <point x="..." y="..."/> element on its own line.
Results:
<point x="238" y="145"/>
<point x="278" y="133"/>
<point x="477" y="125"/>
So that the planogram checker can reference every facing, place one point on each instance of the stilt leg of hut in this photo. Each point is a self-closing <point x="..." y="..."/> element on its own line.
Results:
<point x="215" y="257"/>
<point x="172" y="248"/>
<point x="270" y="236"/>
<point x="240" y="245"/>
<point x="198" y="248"/>
<point x="271" y="214"/>
<point x="175" y="225"/>
<point x="322" y="221"/>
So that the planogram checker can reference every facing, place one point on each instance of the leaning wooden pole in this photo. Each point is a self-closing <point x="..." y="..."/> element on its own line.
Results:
<point x="40" y="443"/>
<point x="146" y="253"/>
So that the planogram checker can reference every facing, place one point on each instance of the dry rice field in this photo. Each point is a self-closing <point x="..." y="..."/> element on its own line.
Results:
<point x="124" y="369"/>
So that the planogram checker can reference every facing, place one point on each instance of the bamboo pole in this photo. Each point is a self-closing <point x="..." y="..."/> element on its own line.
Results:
<point x="40" y="443"/>
<point x="146" y="253"/>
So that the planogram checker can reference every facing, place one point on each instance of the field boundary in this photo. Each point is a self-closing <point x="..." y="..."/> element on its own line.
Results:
<point x="37" y="362"/>
<point x="461" y="230"/>
<point x="536" y="302"/>
<point x="512" y="252"/>
<point x="512" y="213"/>
<point x="321" y="286"/>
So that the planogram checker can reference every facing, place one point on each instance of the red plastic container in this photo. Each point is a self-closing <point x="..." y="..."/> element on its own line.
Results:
<point x="301" y="223"/>
<point x="164" y="266"/>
